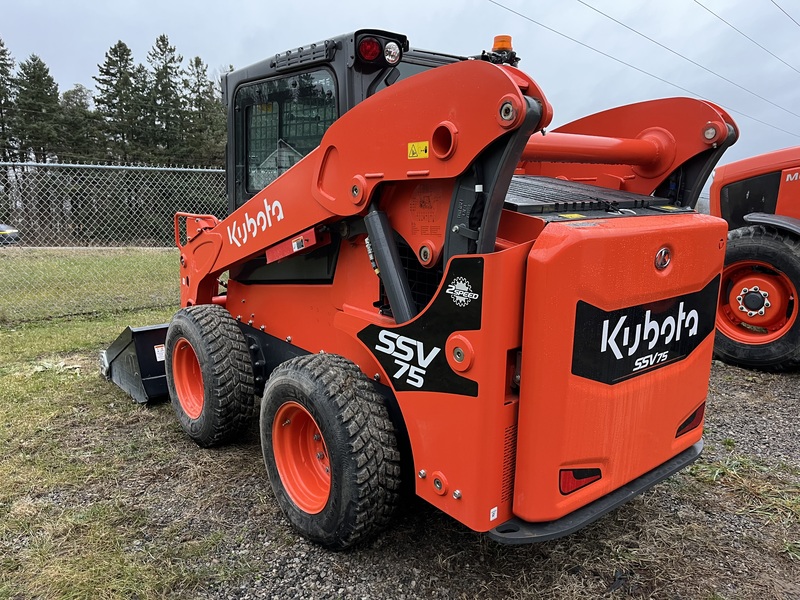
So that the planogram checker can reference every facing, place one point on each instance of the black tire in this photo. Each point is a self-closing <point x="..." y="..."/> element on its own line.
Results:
<point x="209" y="374"/>
<point x="357" y="440"/>
<point x="758" y="254"/>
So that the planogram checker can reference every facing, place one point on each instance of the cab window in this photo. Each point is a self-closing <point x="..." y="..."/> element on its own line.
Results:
<point x="280" y="121"/>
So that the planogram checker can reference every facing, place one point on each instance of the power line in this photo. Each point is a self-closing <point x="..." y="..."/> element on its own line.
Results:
<point x="687" y="59"/>
<point x="784" y="12"/>
<point x="740" y="32"/>
<point x="635" y="68"/>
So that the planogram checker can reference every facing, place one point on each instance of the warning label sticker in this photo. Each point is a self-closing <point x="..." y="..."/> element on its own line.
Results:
<point x="418" y="150"/>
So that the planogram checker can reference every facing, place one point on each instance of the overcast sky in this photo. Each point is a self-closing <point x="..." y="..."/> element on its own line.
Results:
<point x="72" y="37"/>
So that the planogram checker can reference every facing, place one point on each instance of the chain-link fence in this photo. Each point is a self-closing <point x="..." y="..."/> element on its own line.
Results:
<point x="92" y="238"/>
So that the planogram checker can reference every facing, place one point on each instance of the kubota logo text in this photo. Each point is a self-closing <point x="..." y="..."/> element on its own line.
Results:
<point x="409" y="354"/>
<point x="239" y="234"/>
<point x="612" y="346"/>
<point x="651" y="331"/>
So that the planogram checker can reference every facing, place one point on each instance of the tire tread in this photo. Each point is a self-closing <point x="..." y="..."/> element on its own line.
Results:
<point x="228" y="374"/>
<point x="371" y="444"/>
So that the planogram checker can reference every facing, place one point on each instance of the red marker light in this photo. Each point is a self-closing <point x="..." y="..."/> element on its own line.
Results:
<point x="693" y="421"/>
<point x="570" y="480"/>
<point x="369" y="49"/>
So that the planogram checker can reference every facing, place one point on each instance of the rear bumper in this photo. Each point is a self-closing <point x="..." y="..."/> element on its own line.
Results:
<point x="516" y="531"/>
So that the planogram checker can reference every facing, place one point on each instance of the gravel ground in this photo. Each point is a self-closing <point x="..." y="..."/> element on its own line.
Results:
<point x="728" y="528"/>
<point x="692" y="537"/>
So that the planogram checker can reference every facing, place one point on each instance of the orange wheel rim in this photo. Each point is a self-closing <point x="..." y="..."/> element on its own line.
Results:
<point x="188" y="379"/>
<point x="757" y="304"/>
<point x="301" y="457"/>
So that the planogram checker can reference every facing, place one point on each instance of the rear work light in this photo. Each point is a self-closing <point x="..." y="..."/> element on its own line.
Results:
<point x="392" y="53"/>
<point x="571" y="480"/>
<point x="369" y="49"/>
<point x="693" y="421"/>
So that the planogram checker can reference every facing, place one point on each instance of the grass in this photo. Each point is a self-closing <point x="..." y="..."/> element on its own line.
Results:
<point x="769" y="492"/>
<point x="792" y="549"/>
<point x="102" y="498"/>
<point x="47" y="283"/>
<point x="58" y="539"/>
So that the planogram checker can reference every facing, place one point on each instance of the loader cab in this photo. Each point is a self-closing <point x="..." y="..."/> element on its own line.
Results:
<point x="279" y="108"/>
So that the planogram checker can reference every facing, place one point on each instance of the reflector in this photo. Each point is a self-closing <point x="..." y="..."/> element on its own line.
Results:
<point x="571" y="480"/>
<point x="693" y="422"/>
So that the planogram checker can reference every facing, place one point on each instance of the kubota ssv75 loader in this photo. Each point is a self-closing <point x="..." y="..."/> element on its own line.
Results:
<point x="413" y="293"/>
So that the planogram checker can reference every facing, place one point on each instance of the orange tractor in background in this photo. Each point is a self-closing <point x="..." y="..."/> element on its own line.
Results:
<point x="757" y="320"/>
<point x="416" y="286"/>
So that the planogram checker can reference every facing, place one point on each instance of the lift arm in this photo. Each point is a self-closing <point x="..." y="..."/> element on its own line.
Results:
<point x="638" y="147"/>
<point x="428" y="127"/>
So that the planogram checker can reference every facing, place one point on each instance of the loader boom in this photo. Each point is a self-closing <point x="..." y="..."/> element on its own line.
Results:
<point x="362" y="150"/>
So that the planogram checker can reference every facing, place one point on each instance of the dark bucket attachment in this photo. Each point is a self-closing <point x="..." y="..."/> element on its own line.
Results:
<point x="135" y="362"/>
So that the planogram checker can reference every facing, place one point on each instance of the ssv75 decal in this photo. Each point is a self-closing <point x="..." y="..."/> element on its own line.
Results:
<point x="616" y="345"/>
<point x="412" y="354"/>
<point x="409" y="354"/>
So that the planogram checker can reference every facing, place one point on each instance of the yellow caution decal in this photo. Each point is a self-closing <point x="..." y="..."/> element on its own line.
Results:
<point x="418" y="150"/>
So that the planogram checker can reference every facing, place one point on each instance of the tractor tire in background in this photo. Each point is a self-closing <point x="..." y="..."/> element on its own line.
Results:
<point x="757" y="317"/>
<point x="330" y="450"/>
<point x="209" y="374"/>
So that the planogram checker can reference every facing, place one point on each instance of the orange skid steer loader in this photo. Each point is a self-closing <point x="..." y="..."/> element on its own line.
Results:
<point x="417" y="298"/>
<point x="758" y="319"/>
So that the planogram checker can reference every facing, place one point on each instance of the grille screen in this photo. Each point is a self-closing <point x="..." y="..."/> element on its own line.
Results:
<point x="509" y="462"/>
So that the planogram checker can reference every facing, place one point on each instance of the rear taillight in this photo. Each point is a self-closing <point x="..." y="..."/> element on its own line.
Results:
<point x="369" y="49"/>
<point x="571" y="480"/>
<point x="693" y="422"/>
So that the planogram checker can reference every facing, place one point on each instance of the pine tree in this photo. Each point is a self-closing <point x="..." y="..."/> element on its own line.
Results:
<point x="37" y="110"/>
<point x="6" y="102"/>
<point x="6" y="141"/>
<point x="81" y="127"/>
<point x="205" y="123"/>
<point x="142" y="117"/>
<point x="116" y="101"/>
<point x="168" y="103"/>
